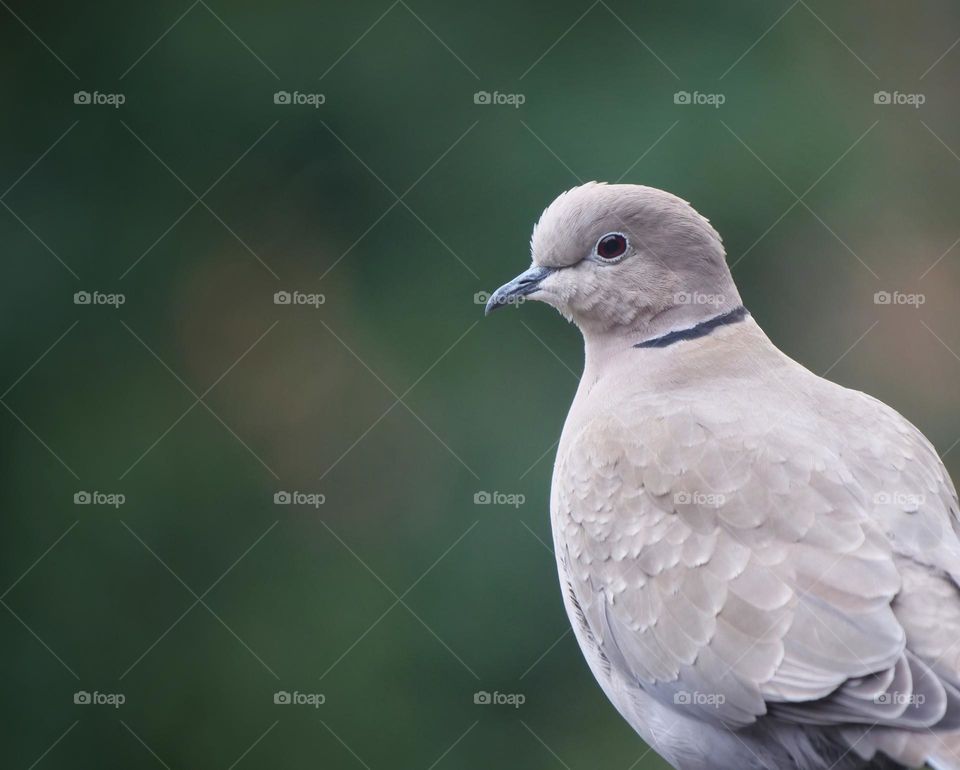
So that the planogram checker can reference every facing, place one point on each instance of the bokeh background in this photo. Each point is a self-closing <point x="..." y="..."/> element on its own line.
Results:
<point x="397" y="199"/>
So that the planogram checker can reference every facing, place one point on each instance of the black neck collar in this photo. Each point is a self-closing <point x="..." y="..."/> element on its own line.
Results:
<point x="702" y="329"/>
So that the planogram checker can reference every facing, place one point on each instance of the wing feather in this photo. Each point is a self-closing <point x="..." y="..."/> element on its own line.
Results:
<point x="742" y="564"/>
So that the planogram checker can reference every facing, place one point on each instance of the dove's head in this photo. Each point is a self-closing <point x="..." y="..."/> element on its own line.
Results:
<point x="624" y="257"/>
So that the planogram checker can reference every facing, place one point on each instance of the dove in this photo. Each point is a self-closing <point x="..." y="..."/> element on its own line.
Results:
<point x="761" y="567"/>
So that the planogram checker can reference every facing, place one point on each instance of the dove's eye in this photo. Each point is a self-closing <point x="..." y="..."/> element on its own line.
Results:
<point x="612" y="246"/>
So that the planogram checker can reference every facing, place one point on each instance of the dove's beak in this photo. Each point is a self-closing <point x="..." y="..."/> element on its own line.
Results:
<point x="513" y="292"/>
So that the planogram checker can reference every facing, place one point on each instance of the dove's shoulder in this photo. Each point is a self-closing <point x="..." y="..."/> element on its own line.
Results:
<point x="758" y="412"/>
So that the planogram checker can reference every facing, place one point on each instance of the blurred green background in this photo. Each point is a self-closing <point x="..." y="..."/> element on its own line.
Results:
<point x="199" y="398"/>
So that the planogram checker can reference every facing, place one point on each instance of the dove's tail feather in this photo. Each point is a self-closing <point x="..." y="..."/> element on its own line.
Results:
<point x="905" y="748"/>
<point x="946" y="756"/>
<point x="937" y="764"/>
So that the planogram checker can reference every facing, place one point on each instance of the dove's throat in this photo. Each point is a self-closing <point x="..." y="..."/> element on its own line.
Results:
<point x="665" y="330"/>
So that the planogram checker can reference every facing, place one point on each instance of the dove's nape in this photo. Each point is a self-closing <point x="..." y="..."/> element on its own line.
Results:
<point x="761" y="566"/>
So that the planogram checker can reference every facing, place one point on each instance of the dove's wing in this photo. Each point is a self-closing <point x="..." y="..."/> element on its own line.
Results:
<point x="737" y="561"/>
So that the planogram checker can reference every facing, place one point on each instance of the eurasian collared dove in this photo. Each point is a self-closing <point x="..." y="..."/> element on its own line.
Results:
<point x="762" y="568"/>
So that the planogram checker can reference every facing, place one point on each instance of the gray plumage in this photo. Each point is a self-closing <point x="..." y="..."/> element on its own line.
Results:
<point x="761" y="566"/>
